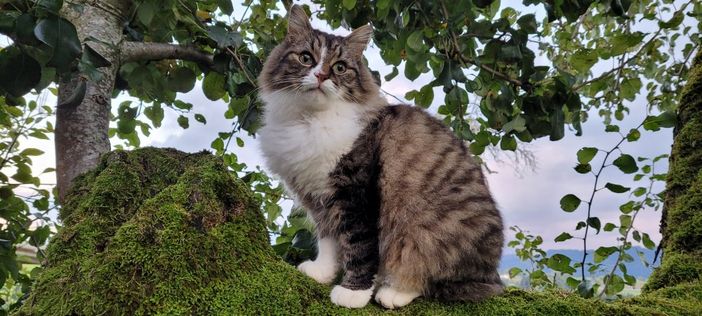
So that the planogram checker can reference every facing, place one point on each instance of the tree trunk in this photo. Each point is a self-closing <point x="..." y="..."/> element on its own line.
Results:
<point x="681" y="224"/>
<point x="81" y="130"/>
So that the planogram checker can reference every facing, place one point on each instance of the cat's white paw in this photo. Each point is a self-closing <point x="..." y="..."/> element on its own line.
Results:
<point x="321" y="272"/>
<point x="350" y="298"/>
<point x="392" y="298"/>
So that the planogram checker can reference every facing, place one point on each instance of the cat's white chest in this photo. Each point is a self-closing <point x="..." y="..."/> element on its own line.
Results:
<point x="303" y="150"/>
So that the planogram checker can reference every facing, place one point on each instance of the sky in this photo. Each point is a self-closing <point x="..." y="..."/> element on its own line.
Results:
<point x="526" y="197"/>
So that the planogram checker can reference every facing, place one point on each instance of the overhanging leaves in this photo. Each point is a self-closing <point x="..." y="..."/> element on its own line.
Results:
<point x="19" y="72"/>
<point x="60" y="35"/>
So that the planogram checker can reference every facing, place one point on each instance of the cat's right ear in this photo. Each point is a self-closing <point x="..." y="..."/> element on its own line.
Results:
<point x="299" y="26"/>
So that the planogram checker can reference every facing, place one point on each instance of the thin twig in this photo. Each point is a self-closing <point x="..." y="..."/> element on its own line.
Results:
<point x="621" y="65"/>
<point x="241" y="65"/>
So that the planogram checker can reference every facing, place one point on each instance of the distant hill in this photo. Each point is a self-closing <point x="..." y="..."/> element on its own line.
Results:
<point x="635" y="268"/>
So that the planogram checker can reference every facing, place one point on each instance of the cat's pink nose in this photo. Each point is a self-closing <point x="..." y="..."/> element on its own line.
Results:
<point x="321" y="76"/>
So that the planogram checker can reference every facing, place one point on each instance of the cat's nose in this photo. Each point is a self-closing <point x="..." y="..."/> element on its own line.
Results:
<point x="321" y="76"/>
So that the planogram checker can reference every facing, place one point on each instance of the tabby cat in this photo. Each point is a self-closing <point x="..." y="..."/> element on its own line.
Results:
<point x="398" y="202"/>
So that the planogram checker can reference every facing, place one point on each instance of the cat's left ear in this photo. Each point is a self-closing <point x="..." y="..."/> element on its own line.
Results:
<point x="359" y="38"/>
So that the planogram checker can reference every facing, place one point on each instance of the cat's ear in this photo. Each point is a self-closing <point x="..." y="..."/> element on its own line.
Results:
<point x="299" y="26"/>
<point x="359" y="38"/>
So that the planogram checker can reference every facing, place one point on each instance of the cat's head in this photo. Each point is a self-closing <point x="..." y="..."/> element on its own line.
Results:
<point x="313" y="68"/>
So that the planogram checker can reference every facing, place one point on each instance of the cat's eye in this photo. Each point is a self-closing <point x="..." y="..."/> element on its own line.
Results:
<point x="306" y="59"/>
<point x="339" y="68"/>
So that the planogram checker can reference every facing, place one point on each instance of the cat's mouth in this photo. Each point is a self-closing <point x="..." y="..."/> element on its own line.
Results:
<point x="317" y="89"/>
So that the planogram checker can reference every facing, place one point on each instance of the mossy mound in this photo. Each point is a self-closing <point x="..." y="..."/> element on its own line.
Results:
<point x="157" y="231"/>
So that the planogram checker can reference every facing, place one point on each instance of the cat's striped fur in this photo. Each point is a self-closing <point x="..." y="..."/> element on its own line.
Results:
<point x="399" y="203"/>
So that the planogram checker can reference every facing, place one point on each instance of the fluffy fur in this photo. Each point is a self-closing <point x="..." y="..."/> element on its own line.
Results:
<point x="398" y="202"/>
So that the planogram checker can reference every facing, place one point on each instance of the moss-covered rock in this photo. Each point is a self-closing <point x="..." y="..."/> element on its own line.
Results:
<point x="157" y="231"/>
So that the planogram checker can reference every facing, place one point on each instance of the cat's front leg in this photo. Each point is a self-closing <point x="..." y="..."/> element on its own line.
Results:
<point x="323" y="269"/>
<point x="358" y="244"/>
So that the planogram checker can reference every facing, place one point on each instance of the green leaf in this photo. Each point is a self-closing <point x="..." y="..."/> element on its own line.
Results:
<point x="595" y="223"/>
<point x="563" y="237"/>
<point x="633" y="135"/>
<point x="416" y="41"/>
<point x="572" y="282"/>
<point x="19" y="72"/>
<point x="626" y="164"/>
<point x="629" y="88"/>
<point x="392" y="74"/>
<point x="349" y="4"/>
<point x="224" y="37"/>
<point x="217" y="144"/>
<point x="155" y="114"/>
<point x="611" y="128"/>
<point x="570" y="202"/>
<point x="603" y="253"/>
<point x="51" y="6"/>
<point x="667" y="119"/>
<point x="583" y="59"/>
<point x="200" y="118"/>
<point x="146" y="12"/>
<point x="425" y="96"/>
<point x="673" y="22"/>
<point x="513" y="272"/>
<point x="527" y="23"/>
<point x="560" y="263"/>
<point x="508" y="143"/>
<point x="622" y="43"/>
<point x="518" y="124"/>
<point x="615" y="284"/>
<point x="557" y="124"/>
<point x="31" y="152"/>
<point x="586" y="154"/>
<point x="583" y="169"/>
<point x="213" y="86"/>
<point x="640" y="191"/>
<point x="476" y="148"/>
<point x="225" y="6"/>
<point x="61" y="36"/>
<point x="627" y="207"/>
<point x="183" y="122"/>
<point x="182" y="79"/>
<point x="609" y="227"/>
<point x="648" y="243"/>
<point x="585" y="289"/>
<point x="624" y="221"/>
<point x="616" y="188"/>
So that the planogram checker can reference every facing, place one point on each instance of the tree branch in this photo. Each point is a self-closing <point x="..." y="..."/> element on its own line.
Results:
<point x="136" y="51"/>
<point x="463" y="59"/>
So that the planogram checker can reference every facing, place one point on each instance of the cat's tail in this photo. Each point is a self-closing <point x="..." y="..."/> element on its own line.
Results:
<point x="465" y="290"/>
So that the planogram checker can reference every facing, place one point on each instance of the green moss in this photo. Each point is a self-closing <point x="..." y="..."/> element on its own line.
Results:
<point x="682" y="234"/>
<point x="162" y="232"/>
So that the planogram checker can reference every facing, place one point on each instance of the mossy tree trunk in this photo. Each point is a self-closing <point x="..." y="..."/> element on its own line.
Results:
<point x="681" y="224"/>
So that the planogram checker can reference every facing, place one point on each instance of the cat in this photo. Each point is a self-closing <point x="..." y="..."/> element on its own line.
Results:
<point x="398" y="202"/>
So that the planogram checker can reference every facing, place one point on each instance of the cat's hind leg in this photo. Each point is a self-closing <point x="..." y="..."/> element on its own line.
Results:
<point x="391" y="297"/>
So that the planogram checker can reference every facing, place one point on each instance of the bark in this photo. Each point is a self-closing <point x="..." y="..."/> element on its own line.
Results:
<point x="136" y="51"/>
<point x="81" y="130"/>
